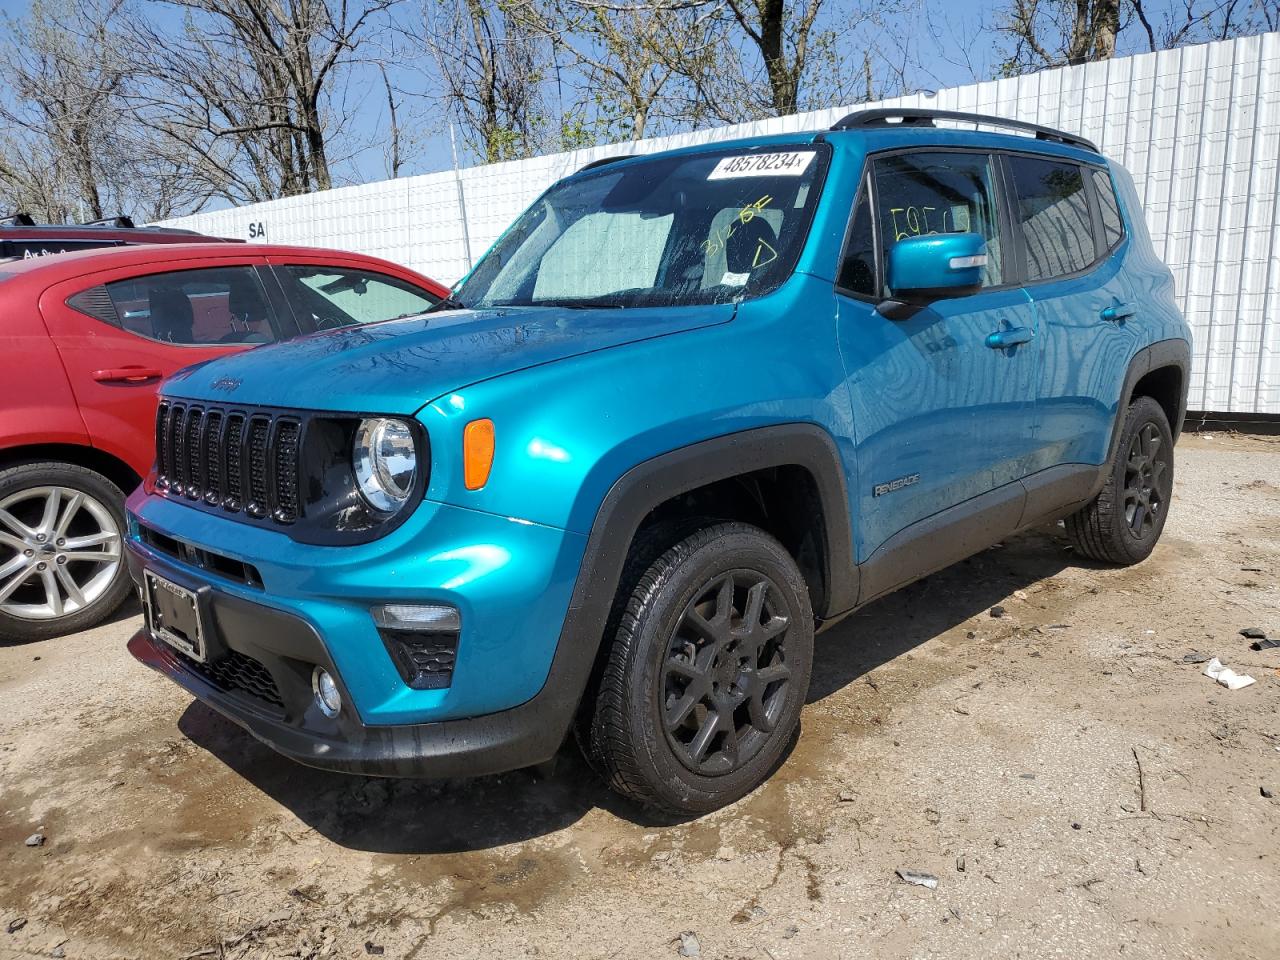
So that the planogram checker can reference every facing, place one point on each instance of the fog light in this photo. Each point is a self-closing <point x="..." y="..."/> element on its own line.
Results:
<point x="328" y="699"/>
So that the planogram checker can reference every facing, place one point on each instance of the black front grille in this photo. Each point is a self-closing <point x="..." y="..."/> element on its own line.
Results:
<point x="242" y="461"/>
<point x="236" y="671"/>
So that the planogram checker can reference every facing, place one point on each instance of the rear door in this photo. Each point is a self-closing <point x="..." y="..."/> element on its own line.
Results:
<point x="120" y="332"/>
<point x="1071" y="239"/>
<point x="942" y="416"/>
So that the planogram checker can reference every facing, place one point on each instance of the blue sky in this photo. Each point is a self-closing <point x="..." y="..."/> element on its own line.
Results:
<point x="961" y="53"/>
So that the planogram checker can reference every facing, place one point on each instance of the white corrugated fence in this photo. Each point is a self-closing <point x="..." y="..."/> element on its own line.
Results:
<point x="1198" y="128"/>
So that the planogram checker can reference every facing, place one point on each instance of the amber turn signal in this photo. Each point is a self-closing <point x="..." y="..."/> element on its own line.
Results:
<point x="477" y="453"/>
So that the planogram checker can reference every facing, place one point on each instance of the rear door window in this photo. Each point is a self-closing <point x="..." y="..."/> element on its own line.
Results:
<point x="928" y="193"/>
<point x="219" y="305"/>
<point x="1052" y="216"/>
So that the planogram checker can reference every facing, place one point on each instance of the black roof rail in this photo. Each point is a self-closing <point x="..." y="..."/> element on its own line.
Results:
<point x="17" y="220"/>
<point x="603" y="161"/>
<point x="121" y="221"/>
<point x="918" y="117"/>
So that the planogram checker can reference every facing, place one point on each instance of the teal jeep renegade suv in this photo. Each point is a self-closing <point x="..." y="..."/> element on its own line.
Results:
<point x="690" y="409"/>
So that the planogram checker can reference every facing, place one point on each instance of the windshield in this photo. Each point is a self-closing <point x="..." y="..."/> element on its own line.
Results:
<point x="710" y="228"/>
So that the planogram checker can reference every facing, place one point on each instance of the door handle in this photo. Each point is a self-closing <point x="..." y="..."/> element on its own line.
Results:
<point x="127" y="374"/>
<point x="1116" y="313"/>
<point x="1010" y="338"/>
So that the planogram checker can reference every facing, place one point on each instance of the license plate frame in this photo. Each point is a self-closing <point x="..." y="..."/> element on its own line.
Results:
<point x="173" y="615"/>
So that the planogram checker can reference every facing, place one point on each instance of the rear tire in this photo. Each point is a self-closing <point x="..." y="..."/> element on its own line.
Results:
<point x="708" y="667"/>
<point x="1124" y="522"/>
<point x="62" y="565"/>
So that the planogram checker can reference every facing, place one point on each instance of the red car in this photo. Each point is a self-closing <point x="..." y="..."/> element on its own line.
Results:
<point x="85" y="338"/>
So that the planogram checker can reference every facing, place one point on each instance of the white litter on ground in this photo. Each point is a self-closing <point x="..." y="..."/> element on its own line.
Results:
<point x="1226" y="676"/>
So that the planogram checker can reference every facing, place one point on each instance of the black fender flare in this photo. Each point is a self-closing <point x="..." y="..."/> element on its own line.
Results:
<point x="652" y="482"/>
<point x="1163" y="353"/>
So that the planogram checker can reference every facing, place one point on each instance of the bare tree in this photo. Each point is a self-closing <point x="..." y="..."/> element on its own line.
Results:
<point x="781" y="31"/>
<point x="1194" y="21"/>
<point x="246" y="91"/>
<point x="490" y="67"/>
<point x="634" y="64"/>
<point x="70" y="145"/>
<point x="1055" y="33"/>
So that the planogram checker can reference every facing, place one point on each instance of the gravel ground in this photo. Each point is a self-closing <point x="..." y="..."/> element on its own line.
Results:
<point x="1077" y="789"/>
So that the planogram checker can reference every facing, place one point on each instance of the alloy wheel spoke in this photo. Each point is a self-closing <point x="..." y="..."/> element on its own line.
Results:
<point x="93" y="556"/>
<point x="724" y="600"/>
<point x="8" y="587"/>
<point x="13" y="566"/>
<point x="730" y="748"/>
<point x="706" y="733"/>
<point x="14" y="543"/>
<point x="16" y="525"/>
<point x="52" y="503"/>
<point x="755" y="604"/>
<point x="68" y="514"/>
<point x="678" y="712"/>
<point x="52" y="594"/>
<point x="92" y="540"/>
<point x="70" y="586"/>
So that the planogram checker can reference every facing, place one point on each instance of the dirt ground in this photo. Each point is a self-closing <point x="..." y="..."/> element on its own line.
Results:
<point x="1076" y="787"/>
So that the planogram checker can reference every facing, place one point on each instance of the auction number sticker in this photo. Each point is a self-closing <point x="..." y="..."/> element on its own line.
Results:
<point x="791" y="164"/>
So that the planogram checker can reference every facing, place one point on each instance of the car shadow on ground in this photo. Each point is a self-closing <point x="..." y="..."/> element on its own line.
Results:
<point x="424" y="817"/>
<point x="131" y="607"/>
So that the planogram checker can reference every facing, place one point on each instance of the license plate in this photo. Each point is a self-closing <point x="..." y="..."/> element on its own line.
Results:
<point x="173" y="616"/>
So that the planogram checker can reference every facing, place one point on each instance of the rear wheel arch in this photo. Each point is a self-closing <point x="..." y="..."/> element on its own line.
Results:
<point x="1160" y="371"/>
<point x="91" y="458"/>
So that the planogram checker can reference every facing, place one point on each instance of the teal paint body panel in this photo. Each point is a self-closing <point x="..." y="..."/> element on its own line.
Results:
<point x="926" y="410"/>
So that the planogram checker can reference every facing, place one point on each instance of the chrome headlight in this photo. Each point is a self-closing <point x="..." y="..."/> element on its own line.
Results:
<point x="385" y="462"/>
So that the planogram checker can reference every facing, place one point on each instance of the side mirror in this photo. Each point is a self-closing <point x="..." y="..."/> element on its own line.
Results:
<point x="924" y="269"/>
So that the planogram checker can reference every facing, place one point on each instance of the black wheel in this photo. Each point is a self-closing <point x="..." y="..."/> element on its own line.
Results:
<point x="1124" y="522"/>
<point x="707" y="671"/>
<point x="62" y="567"/>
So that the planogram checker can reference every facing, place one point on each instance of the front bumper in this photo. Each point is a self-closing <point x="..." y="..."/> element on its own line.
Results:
<point x="516" y="682"/>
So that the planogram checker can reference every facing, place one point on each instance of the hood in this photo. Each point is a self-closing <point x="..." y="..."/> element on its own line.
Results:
<point x="397" y="366"/>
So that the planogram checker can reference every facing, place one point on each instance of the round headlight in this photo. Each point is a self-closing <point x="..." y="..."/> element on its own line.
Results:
<point x="385" y="462"/>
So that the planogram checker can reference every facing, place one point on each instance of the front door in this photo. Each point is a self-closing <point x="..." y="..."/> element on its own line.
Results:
<point x="943" y="412"/>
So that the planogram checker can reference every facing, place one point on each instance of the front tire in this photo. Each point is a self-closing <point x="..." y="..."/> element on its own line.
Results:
<point x="706" y="674"/>
<point x="1124" y="522"/>
<point x="62" y="566"/>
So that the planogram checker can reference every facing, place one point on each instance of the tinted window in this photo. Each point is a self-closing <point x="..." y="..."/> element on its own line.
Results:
<point x="1053" y="215"/>
<point x="340" y="298"/>
<point x="219" y="305"/>
<point x="1109" y="207"/>
<point x="858" y="272"/>
<point x="921" y="194"/>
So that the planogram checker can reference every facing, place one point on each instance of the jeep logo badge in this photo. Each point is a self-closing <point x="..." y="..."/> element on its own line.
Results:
<point x="225" y="384"/>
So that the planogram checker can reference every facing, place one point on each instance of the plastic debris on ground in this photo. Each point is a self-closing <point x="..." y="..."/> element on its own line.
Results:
<point x="1215" y="670"/>
<point x="918" y="878"/>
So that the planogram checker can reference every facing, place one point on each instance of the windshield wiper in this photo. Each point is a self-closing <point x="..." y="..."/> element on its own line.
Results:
<point x="573" y="303"/>
<point x="449" y="302"/>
